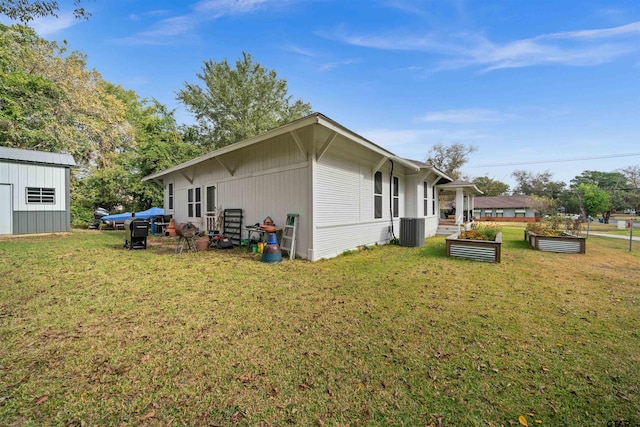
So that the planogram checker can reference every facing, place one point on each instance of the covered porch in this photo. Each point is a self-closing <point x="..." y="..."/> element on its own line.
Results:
<point x="462" y="194"/>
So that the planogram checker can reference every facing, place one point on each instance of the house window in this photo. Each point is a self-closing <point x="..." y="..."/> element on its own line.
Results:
<point x="194" y="202"/>
<point x="396" y="197"/>
<point x="433" y="200"/>
<point x="487" y="212"/>
<point x="499" y="213"/>
<point x="41" y="195"/>
<point x="425" y="194"/>
<point x="520" y="213"/>
<point x="377" y="195"/>
<point x="211" y="199"/>
<point x="170" y="196"/>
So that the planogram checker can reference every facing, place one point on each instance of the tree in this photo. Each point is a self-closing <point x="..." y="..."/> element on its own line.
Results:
<point x="540" y="184"/>
<point x="632" y="176"/>
<point x="613" y="183"/>
<point x="51" y="102"/>
<point x="544" y="205"/>
<point x="594" y="201"/>
<point x="236" y="104"/>
<point x="491" y="187"/>
<point x="26" y="10"/>
<point x="450" y="158"/>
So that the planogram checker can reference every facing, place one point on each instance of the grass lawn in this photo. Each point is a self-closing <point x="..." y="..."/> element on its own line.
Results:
<point x="95" y="335"/>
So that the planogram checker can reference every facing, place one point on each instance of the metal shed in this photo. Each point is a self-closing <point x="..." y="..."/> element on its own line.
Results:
<point x="34" y="191"/>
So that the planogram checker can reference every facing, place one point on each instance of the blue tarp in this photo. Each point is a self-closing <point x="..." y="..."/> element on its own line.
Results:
<point x="126" y="215"/>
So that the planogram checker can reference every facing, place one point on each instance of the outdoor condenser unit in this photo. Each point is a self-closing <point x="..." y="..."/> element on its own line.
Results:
<point x="412" y="232"/>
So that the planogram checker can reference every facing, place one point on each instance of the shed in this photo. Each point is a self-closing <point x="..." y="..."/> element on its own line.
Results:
<point x="34" y="191"/>
<point x="347" y="190"/>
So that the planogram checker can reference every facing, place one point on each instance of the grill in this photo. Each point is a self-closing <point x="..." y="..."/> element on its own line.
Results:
<point x="136" y="232"/>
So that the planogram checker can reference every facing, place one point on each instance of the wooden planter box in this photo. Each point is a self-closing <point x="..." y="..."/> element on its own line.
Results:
<point x="479" y="250"/>
<point x="567" y="244"/>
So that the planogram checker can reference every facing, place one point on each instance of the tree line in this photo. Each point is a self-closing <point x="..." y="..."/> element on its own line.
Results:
<point x="594" y="193"/>
<point x="51" y="101"/>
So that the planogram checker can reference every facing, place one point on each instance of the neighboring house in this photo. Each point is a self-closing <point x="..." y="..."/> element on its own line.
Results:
<point x="34" y="191"/>
<point x="505" y="208"/>
<point x="347" y="190"/>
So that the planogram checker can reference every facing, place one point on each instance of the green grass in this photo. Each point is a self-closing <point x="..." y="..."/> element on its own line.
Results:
<point x="95" y="335"/>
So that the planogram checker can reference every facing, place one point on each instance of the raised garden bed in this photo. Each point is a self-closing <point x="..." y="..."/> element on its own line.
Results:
<point x="479" y="250"/>
<point x="567" y="243"/>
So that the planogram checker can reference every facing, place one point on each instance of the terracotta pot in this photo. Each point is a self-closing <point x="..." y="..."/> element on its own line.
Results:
<point x="202" y="243"/>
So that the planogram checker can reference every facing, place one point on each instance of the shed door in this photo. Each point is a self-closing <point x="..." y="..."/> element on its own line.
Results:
<point x="6" y="207"/>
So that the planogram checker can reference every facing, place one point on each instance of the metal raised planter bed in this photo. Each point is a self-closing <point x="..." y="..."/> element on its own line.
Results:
<point x="566" y="243"/>
<point x="479" y="250"/>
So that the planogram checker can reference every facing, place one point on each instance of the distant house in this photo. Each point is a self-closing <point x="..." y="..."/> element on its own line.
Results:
<point x="347" y="190"/>
<point x="505" y="208"/>
<point x="34" y="191"/>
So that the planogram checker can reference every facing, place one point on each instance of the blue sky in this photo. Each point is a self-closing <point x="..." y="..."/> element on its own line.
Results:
<point x="523" y="81"/>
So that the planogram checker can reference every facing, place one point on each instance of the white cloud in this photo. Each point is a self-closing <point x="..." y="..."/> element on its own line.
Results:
<point x="178" y="28"/>
<point x="414" y="143"/>
<point x="331" y="65"/>
<point x="51" y="25"/>
<point x="471" y="115"/>
<point x="228" y="7"/>
<point x="575" y="48"/>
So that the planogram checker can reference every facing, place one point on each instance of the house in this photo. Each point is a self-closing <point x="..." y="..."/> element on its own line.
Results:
<point x="347" y="190"/>
<point x="506" y="208"/>
<point x="34" y="191"/>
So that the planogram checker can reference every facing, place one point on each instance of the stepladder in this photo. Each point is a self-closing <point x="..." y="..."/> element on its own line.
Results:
<point x="289" y="233"/>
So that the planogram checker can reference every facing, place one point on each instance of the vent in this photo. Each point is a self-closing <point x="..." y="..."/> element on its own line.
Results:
<point x="412" y="232"/>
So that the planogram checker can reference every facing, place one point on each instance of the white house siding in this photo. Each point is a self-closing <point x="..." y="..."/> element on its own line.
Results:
<point x="37" y="217"/>
<point x="344" y="212"/>
<point x="269" y="179"/>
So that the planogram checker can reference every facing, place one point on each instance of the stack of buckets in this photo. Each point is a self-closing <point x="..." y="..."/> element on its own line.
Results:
<point x="272" y="252"/>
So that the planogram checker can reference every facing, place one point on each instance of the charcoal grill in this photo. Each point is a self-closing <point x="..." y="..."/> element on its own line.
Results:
<point x="136" y="232"/>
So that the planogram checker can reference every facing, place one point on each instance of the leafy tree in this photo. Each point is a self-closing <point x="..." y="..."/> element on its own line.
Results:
<point x="613" y="183"/>
<point x="52" y="102"/>
<point x="236" y="104"/>
<point x="632" y="176"/>
<point x="26" y="10"/>
<point x="540" y="184"/>
<point x="491" y="187"/>
<point x="594" y="201"/>
<point x="544" y="205"/>
<point x="450" y="158"/>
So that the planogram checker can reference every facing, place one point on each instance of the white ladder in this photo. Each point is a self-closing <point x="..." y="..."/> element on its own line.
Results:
<point x="289" y="233"/>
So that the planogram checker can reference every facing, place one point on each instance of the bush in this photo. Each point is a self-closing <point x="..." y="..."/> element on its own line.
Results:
<point x="80" y="216"/>
<point x="481" y="232"/>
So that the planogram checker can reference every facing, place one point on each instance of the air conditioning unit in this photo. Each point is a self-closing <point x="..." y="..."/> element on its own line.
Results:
<point x="412" y="232"/>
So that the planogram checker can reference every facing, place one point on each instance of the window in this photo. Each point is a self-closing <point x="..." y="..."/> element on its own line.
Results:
<point x="377" y="195"/>
<point x="520" y="213"/>
<point x="433" y="200"/>
<point x="170" y="191"/>
<point x="499" y="213"/>
<point x="194" y="202"/>
<point x="41" y="195"/>
<point x="425" y="193"/>
<point x="396" y="197"/>
<point x="211" y="199"/>
<point x="487" y="212"/>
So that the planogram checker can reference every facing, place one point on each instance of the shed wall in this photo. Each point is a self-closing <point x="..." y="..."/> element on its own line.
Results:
<point x="37" y="217"/>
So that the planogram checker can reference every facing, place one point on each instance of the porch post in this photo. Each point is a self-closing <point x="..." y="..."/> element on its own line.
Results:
<point x="459" y="206"/>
